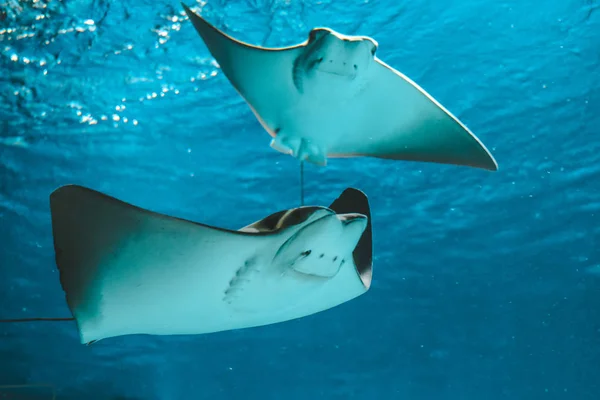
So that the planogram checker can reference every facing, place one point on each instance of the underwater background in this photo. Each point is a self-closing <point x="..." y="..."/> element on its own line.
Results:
<point x="486" y="284"/>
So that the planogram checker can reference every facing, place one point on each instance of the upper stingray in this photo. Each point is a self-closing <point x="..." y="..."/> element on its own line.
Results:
<point x="330" y="96"/>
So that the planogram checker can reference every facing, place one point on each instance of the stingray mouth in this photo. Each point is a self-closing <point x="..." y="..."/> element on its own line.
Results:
<point x="343" y="69"/>
<point x="335" y="73"/>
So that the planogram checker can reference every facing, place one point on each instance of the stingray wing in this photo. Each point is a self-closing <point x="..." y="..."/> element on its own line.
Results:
<point x="128" y="270"/>
<point x="262" y="76"/>
<point x="409" y="124"/>
<point x="355" y="201"/>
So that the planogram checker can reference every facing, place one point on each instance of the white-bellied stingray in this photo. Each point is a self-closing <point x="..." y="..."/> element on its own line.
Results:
<point x="127" y="270"/>
<point x="330" y="96"/>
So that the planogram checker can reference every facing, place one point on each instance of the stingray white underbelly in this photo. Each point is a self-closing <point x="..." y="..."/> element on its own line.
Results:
<point x="195" y="301"/>
<point x="316" y="133"/>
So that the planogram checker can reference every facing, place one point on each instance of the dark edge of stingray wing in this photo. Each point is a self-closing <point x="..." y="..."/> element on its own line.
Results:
<point x="89" y="191"/>
<point x="290" y="217"/>
<point x="488" y="162"/>
<point x="355" y="201"/>
<point x="267" y="224"/>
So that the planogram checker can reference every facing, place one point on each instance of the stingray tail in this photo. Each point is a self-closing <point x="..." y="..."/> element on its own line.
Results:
<point x="301" y="183"/>
<point x="13" y="320"/>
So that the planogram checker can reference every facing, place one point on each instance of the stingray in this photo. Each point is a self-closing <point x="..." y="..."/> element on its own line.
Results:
<point x="330" y="96"/>
<point x="127" y="270"/>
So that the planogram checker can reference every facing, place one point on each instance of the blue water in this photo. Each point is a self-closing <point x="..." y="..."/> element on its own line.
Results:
<point x="486" y="284"/>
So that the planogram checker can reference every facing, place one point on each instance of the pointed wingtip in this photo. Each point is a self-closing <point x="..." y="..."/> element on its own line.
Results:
<point x="488" y="164"/>
<point x="435" y="136"/>
<point x="495" y="163"/>
<point x="191" y="14"/>
<point x="492" y="164"/>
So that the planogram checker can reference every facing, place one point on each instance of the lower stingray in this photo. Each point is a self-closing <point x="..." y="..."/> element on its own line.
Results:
<point x="330" y="96"/>
<point x="126" y="270"/>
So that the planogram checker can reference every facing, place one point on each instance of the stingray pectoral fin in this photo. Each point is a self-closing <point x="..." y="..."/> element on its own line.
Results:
<point x="286" y="145"/>
<point x="409" y="124"/>
<point x="126" y="270"/>
<point x="262" y="76"/>
<point x="355" y="201"/>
